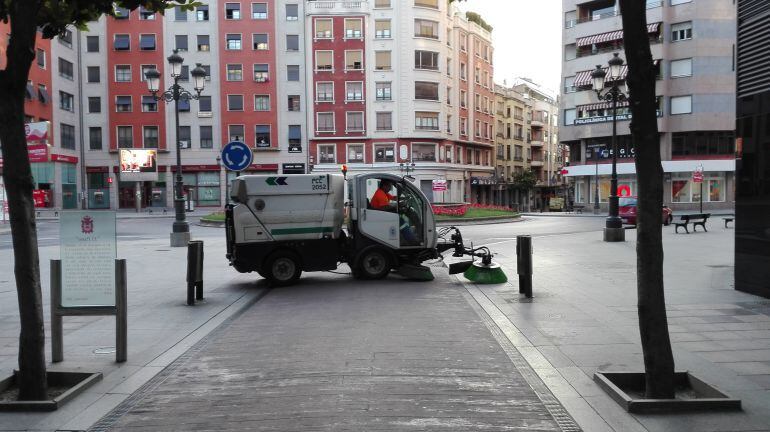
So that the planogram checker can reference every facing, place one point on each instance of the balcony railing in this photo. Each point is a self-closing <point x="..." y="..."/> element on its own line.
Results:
<point x="651" y="4"/>
<point x="344" y="5"/>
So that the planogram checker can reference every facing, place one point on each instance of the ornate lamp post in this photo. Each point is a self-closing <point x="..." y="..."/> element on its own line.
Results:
<point x="180" y="234"/>
<point x="406" y="167"/>
<point x="613" y="229"/>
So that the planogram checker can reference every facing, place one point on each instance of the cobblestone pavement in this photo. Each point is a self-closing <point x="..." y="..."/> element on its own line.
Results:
<point x="389" y="355"/>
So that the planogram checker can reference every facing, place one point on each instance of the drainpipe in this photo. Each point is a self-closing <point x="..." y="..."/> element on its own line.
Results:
<point x="83" y="185"/>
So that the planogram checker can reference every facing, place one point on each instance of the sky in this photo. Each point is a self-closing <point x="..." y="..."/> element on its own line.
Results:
<point x="526" y="36"/>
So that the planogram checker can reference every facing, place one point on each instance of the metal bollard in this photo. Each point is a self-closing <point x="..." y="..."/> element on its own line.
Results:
<point x="524" y="264"/>
<point x="194" y="271"/>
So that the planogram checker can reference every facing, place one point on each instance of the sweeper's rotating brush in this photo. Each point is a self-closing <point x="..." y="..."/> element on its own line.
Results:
<point x="481" y="273"/>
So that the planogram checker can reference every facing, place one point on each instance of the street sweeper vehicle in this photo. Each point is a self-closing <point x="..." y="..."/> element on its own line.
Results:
<point x="280" y="226"/>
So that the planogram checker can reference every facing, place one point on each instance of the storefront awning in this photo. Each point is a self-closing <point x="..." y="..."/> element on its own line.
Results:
<point x="583" y="78"/>
<point x="610" y="36"/>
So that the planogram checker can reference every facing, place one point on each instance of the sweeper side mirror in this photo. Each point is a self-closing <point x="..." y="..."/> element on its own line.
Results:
<point x="459" y="267"/>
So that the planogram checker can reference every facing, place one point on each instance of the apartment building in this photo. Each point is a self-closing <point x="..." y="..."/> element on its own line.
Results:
<point x="402" y="86"/>
<point x="513" y="148"/>
<point x="91" y="89"/>
<point x="52" y="116"/>
<point x="693" y="43"/>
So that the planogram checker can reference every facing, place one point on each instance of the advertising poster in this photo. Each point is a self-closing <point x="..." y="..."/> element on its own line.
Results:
<point x="88" y="251"/>
<point x="138" y="165"/>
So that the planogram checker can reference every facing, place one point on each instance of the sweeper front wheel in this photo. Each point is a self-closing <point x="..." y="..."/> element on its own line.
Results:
<point x="374" y="263"/>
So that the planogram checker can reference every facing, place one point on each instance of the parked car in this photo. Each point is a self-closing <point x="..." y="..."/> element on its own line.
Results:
<point x="627" y="211"/>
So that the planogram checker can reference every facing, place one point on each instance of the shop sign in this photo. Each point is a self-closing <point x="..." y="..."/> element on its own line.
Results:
<point x="38" y="153"/>
<point x="295" y="148"/>
<point x="293" y="168"/>
<point x="36" y="131"/>
<point x="697" y="175"/>
<point x="138" y="165"/>
<point x="88" y="252"/>
<point x="262" y="167"/>
<point x="64" y="158"/>
<point x="602" y="119"/>
<point x="439" y="185"/>
<point x="482" y="180"/>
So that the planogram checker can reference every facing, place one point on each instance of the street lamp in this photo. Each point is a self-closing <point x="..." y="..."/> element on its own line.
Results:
<point x="613" y="229"/>
<point x="180" y="234"/>
<point x="406" y="167"/>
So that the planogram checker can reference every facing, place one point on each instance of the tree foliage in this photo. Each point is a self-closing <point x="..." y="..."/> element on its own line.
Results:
<point x="474" y="17"/>
<point x="524" y="180"/>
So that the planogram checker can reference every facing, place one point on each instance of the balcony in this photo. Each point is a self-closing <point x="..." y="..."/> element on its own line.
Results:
<point x="536" y="143"/>
<point x="537" y="123"/>
<point x="536" y="163"/>
<point x="337" y="7"/>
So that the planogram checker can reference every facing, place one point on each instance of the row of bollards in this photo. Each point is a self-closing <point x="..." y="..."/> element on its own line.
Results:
<point x="194" y="271"/>
<point x="524" y="264"/>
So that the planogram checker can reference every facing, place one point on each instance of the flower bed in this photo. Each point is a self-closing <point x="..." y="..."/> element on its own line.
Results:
<point x="450" y="209"/>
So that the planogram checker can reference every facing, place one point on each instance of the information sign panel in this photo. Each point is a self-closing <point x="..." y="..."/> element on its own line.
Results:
<point x="88" y="251"/>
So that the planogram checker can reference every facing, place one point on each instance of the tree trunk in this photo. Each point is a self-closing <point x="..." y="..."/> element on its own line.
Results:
<point x="653" y="325"/>
<point x="17" y="176"/>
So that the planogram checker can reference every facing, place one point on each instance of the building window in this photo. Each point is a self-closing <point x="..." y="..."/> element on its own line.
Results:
<point x="66" y="69"/>
<point x="325" y="121"/>
<point x="184" y="137"/>
<point x="426" y="29"/>
<point x="203" y="43"/>
<point x="204" y="105"/>
<point x="292" y="12"/>
<point x="382" y="3"/>
<point x="232" y="11"/>
<point x="42" y="93"/>
<point x="354" y="121"/>
<point x="235" y="102"/>
<point x="122" y="42"/>
<point x="292" y="42"/>
<point x="145" y="14"/>
<point x="149" y="104"/>
<point x="323" y="28"/>
<point x="684" y="190"/>
<point x="353" y="28"/>
<point x="206" y="137"/>
<point x="94" y="138"/>
<point x="94" y="104"/>
<point x="123" y="104"/>
<point x="681" y="105"/>
<point x="233" y="41"/>
<point x="433" y="4"/>
<point x="355" y="153"/>
<point x="382" y="29"/>
<point x="426" y="60"/>
<point x="147" y="42"/>
<point x="235" y="72"/>
<point x="353" y="60"/>
<point x="125" y="136"/>
<point x="681" y="68"/>
<point x="324" y="60"/>
<point x="66" y="38"/>
<point x="261" y="72"/>
<point x="324" y="92"/>
<point x="295" y="135"/>
<point x="67" y="136"/>
<point x="292" y="72"/>
<point x="423" y="152"/>
<point x="463" y="99"/>
<point x="383" y="91"/>
<point x="354" y="91"/>
<point x="259" y="11"/>
<point x="385" y="121"/>
<point x="382" y="60"/>
<point x="93" y="74"/>
<point x="681" y="31"/>
<point x="384" y="153"/>
<point x="426" y="120"/>
<point x="92" y="43"/>
<point x="326" y="153"/>
<point x="150" y="136"/>
<point x="294" y="103"/>
<point x="569" y="117"/>
<point x="123" y="73"/>
<point x="121" y="13"/>
<point x="180" y="42"/>
<point x="424" y="90"/>
<point x="259" y="41"/>
<point x="261" y="102"/>
<point x="202" y="13"/>
<point x="262" y="136"/>
<point x="463" y="71"/>
<point x="180" y="14"/>
<point x="236" y="132"/>
<point x="702" y="143"/>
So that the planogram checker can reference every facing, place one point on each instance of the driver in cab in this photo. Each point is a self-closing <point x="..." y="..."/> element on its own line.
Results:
<point x="382" y="200"/>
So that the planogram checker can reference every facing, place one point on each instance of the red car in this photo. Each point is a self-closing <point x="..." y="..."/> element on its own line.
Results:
<point x="627" y="211"/>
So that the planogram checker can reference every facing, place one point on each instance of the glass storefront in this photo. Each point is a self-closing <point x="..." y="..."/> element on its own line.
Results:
<point x="98" y="191"/>
<point x="203" y="187"/>
<point x="69" y="187"/>
<point x="684" y="190"/>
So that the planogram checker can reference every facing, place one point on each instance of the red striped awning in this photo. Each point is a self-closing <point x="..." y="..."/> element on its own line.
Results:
<point x="610" y="36"/>
<point x="600" y="105"/>
<point x="584" y="78"/>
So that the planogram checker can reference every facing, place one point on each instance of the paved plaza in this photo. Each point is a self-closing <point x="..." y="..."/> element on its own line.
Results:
<point x="333" y="353"/>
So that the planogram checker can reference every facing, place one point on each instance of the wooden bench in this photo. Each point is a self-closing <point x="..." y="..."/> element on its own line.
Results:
<point x="578" y="208"/>
<point x="728" y="219"/>
<point x="695" y="219"/>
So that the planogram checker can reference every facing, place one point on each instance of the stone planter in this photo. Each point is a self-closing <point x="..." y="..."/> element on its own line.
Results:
<point x="692" y="394"/>
<point x="64" y="385"/>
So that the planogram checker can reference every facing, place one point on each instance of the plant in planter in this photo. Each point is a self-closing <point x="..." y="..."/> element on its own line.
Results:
<point x="28" y="20"/>
<point x="659" y="388"/>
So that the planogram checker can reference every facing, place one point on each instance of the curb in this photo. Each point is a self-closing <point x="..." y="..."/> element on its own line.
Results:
<point x="211" y="224"/>
<point x="478" y="221"/>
